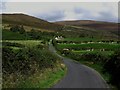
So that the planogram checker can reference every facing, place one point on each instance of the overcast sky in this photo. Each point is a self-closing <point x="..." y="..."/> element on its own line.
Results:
<point x="59" y="11"/>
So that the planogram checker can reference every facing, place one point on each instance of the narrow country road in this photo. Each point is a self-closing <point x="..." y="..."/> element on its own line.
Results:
<point x="78" y="75"/>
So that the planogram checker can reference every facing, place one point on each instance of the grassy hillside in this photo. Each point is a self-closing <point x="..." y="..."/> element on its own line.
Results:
<point x="22" y="19"/>
<point x="78" y="28"/>
<point x="98" y="26"/>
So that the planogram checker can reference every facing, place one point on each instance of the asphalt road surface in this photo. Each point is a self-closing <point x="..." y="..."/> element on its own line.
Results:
<point x="79" y="75"/>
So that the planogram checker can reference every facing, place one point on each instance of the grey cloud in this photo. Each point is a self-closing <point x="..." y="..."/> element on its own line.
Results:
<point x="58" y="15"/>
<point x="52" y="16"/>
<point x="107" y="16"/>
<point x="87" y="15"/>
<point x="80" y="11"/>
<point x="3" y="6"/>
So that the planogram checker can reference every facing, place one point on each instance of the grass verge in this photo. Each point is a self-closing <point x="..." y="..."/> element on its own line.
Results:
<point x="46" y="79"/>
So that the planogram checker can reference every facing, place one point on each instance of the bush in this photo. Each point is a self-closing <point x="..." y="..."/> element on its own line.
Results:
<point x="94" y="57"/>
<point x="27" y="60"/>
<point x="112" y="66"/>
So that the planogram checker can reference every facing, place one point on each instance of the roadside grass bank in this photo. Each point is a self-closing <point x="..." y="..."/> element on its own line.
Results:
<point x="45" y="79"/>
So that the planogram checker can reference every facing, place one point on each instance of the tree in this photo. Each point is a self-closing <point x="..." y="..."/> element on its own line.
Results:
<point x="15" y="28"/>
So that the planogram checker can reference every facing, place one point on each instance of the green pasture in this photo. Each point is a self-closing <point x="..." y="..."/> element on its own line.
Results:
<point x="95" y="51"/>
<point x="8" y="35"/>
<point x="81" y="39"/>
<point x="87" y="46"/>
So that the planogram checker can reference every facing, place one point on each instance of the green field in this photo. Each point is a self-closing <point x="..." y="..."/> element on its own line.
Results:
<point x="88" y="46"/>
<point x="95" y="51"/>
<point x="8" y="35"/>
<point x="81" y="39"/>
<point x="85" y="45"/>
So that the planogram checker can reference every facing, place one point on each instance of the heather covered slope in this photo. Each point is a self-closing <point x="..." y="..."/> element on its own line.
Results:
<point x="91" y="24"/>
<point x="108" y="28"/>
<point x="26" y="20"/>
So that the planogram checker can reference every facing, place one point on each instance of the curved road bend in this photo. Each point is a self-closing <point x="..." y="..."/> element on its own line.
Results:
<point x="78" y="75"/>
